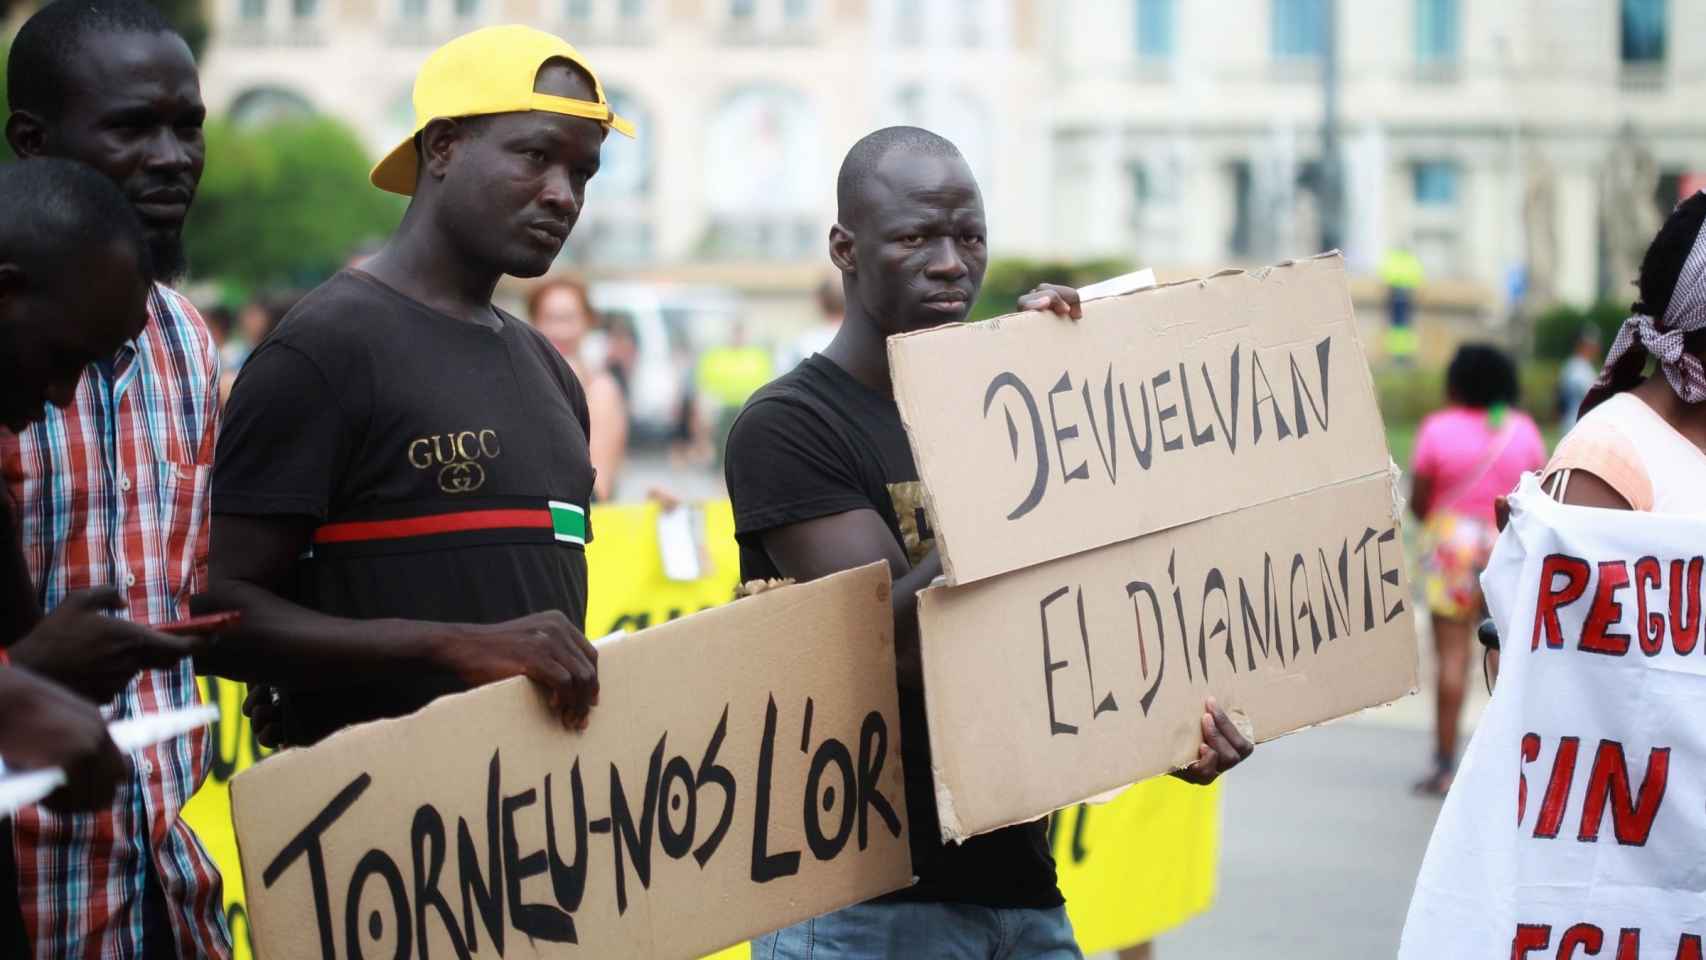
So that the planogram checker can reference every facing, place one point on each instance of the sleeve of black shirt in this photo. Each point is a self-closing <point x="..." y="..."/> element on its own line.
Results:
<point x="284" y="441"/>
<point x="784" y="466"/>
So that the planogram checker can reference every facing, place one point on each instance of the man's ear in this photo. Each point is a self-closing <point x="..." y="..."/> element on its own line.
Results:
<point x="26" y="134"/>
<point x="439" y="140"/>
<point x="841" y="252"/>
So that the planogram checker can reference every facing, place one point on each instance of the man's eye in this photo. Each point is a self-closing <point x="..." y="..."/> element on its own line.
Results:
<point x="972" y="239"/>
<point x="911" y="239"/>
<point x="537" y="156"/>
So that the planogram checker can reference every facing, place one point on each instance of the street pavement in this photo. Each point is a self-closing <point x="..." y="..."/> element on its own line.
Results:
<point x="1321" y="838"/>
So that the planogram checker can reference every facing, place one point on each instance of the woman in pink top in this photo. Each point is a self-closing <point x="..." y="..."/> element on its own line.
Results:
<point x="1467" y="456"/>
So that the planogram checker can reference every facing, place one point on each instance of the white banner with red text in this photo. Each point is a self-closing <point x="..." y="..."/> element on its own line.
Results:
<point x="1577" y="824"/>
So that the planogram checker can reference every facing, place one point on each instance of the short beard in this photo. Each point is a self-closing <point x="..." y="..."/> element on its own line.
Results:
<point x="167" y="258"/>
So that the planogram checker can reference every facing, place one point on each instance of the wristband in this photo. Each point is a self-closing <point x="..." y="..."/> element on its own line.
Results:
<point x="5" y="660"/>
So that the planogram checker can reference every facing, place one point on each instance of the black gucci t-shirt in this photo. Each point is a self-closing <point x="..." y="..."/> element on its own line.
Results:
<point x="817" y="442"/>
<point x="444" y="461"/>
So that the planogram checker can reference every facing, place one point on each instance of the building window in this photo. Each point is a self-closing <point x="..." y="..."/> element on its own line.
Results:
<point x="625" y="165"/>
<point x="631" y="10"/>
<point x="414" y="10"/>
<point x="743" y="11"/>
<point x="1645" y="31"/>
<point x="1299" y="29"/>
<point x="1155" y="26"/>
<point x="762" y="146"/>
<point x="1436" y="31"/>
<point x="1435" y="184"/>
<point x="577" y="11"/>
<point x="467" y="9"/>
<point x="796" y="11"/>
<point x="263" y="105"/>
<point x="252" y="11"/>
<point x="971" y="16"/>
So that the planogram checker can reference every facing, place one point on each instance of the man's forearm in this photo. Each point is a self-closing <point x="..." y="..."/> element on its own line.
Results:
<point x="280" y="641"/>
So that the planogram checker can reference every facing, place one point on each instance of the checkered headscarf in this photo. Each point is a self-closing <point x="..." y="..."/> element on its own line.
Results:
<point x="1663" y="340"/>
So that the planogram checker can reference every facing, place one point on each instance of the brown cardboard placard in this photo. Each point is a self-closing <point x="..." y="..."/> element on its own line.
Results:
<point x="481" y="815"/>
<point x="1037" y="438"/>
<point x="1077" y="676"/>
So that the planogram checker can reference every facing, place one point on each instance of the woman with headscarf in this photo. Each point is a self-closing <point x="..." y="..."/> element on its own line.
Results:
<point x="1641" y="441"/>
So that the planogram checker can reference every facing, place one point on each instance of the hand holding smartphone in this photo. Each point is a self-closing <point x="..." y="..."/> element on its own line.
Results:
<point x="202" y="625"/>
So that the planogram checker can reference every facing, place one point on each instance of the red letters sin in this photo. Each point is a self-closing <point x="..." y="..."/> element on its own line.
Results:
<point x="1554" y="596"/>
<point x="1631" y="818"/>
<point x="1557" y="789"/>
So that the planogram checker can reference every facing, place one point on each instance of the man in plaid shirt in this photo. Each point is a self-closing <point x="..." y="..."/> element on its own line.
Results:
<point x="112" y="492"/>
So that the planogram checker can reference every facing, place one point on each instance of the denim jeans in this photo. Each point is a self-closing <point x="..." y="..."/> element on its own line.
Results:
<point x="927" y="931"/>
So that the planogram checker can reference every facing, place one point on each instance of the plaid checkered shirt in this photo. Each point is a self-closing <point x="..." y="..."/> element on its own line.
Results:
<point x="114" y="491"/>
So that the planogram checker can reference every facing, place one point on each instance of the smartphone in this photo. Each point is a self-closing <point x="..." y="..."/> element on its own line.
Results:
<point x="197" y="626"/>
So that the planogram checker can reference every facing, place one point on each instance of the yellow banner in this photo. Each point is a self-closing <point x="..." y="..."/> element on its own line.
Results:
<point x="1129" y="869"/>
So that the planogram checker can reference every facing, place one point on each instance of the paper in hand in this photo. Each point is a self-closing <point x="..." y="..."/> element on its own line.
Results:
<point x="1117" y="286"/>
<point x="24" y="787"/>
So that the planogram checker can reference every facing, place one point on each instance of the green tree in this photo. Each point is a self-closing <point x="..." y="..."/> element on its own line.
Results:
<point x="283" y="204"/>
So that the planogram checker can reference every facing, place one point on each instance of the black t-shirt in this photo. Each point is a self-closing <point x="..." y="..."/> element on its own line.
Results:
<point x="444" y="460"/>
<point x="815" y="443"/>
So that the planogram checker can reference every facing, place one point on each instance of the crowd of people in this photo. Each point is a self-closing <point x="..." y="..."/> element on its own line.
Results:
<point x="389" y="501"/>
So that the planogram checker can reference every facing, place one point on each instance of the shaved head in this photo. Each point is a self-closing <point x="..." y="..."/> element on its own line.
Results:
<point x="860" y="166"/>
<point x="909" y="236"/>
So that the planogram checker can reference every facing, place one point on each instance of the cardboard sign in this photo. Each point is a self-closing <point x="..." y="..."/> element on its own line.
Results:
<point x="1130" y="869"/>
<point x="1576" y="826"/>
<point x="1037" y="438"/>
<point x="741" y="773"/>
<point x="1093" y="669"/>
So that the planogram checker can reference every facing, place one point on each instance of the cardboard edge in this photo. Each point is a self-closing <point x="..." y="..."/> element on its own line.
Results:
<point x="953" y="829"/>
<point x="903" y="401"/>
<point x="1254" y="273"/>
<point x="894" y="347"/>
<point x="768" y="591"/>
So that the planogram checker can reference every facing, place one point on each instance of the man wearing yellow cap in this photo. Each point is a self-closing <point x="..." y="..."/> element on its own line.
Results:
<point x="402" y="477"/>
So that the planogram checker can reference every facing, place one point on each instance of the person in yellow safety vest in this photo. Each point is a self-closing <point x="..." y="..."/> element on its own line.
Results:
<point x="1401" y="271"/>
<point x="727" y="376"/>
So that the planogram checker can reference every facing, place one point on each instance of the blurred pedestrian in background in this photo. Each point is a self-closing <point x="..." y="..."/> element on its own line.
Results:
<point x="559" y="309"/>
<point x="1639" y="443"/>
<point x="1401" y="271"/>
<point x="621" y="352"/>
<point x="1577" y="377"/>
<point x="727" y="376"/>
<point x="1467" y="455"/>
<point x="831" y="304"/>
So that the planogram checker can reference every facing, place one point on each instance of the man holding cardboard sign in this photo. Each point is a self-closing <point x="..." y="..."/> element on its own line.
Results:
<point x="822" y="479"/>
<point x="403" y="474"/>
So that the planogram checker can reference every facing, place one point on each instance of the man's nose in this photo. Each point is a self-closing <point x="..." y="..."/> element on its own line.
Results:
<point x="945" y="261"/>
<point x="559" y="193"/>
<point x="167" y="151"/>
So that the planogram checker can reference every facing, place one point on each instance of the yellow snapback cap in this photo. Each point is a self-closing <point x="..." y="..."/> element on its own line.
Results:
<point x="490" y="71"/>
